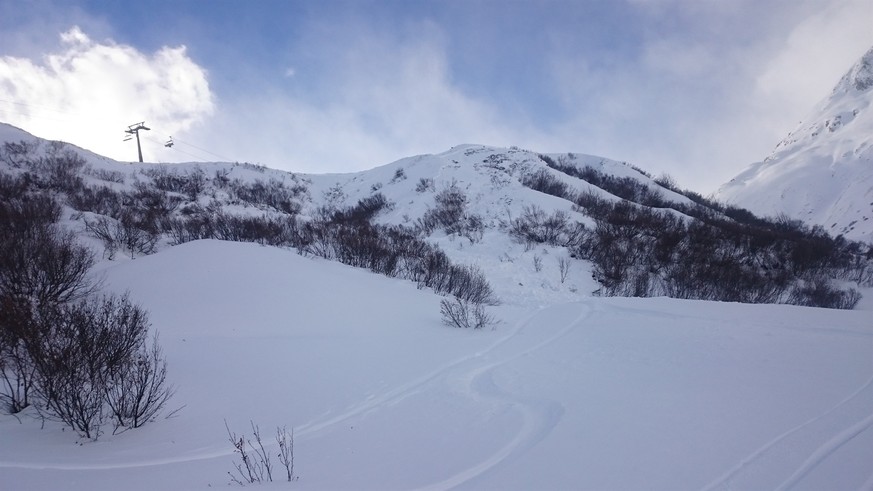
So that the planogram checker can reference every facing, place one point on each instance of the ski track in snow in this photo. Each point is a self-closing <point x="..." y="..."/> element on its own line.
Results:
<point x="823" y="452"/>
<point x="399" y="393"/>
<point x="539" y="417"/>
<point x="806" y="429"/>
<point x="310" y="428"/>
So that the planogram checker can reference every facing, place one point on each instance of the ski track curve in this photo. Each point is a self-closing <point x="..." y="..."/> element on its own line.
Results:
<point x="539" y="417"/>
<point x="370" y="403"/>
<point x="826" y="450"/>
<point x="818" y="456"/>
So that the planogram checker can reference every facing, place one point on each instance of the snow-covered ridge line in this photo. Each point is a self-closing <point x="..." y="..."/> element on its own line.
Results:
<point x="622" y="232"/>
<point x="822" y="172"/>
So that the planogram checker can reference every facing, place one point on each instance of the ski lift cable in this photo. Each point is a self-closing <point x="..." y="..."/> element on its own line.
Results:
<point x="176" y="141"/>
<point x="65" y="116"/>
<point x="37" y="106"/>
<point x="174" y="148"/>
<point x="226" y="159"/>
<point x="11" y="112"/>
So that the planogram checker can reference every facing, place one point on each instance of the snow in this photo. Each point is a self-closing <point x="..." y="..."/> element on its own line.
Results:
<point x="590" y="394"/>
<point x="822" y="172"/>
<point x="567" y="391"/>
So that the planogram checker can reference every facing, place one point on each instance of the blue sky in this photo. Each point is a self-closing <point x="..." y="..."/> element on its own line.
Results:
<point x="698" y="89"/>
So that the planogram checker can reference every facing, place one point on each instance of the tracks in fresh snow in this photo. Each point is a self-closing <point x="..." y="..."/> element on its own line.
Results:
<point x="819" y="438"/>
<point x="539" y="416"/>
<point x="473" y="371"/>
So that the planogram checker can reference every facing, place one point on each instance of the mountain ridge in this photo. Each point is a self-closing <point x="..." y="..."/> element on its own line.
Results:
<point x="822" y="172"/>
<point x="589" y="225"/>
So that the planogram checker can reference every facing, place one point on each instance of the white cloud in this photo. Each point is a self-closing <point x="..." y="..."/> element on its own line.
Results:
<point x="699" y="90"/>
<point x="814" y="55"/>
<point x="88" y="92"/>
<point x="378" y="99"/>
<point x="703" y="104"/>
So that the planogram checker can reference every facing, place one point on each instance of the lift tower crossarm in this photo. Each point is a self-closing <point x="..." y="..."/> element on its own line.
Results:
<point x="134" y="130"/>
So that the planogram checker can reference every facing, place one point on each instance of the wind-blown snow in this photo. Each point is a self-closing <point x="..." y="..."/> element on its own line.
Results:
<point x="822" y="173"/>
<point x="592" y="394"/>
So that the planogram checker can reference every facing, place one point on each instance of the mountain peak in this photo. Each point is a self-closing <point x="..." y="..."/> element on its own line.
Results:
<point x="822" y="172"/>
<point x="859" y="77"/>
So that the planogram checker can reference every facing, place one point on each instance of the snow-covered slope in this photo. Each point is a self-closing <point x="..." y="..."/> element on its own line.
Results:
<point x="822" y="173"/>
<point x="620" y="394"/>
<point x="489" y="177"/>
<point x="566" y="392"/>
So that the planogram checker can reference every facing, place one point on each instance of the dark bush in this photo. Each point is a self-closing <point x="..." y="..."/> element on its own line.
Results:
<point x="544" y="182"/>
<point x="534" y="226"/>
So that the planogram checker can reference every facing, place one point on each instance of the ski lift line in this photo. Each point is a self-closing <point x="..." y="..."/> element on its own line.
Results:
<point x="176" y="140"/>
<point x="226" y="159"/>
<point x="10" y="113"/>
<point x="197" y="157"/>
<point x="38" y="112"/>
<point x="36" y="106"/>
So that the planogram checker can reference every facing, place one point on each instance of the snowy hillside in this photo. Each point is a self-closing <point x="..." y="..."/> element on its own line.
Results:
<point x="619" y="394"/>
<point x="564" y="390"/>
<point x="822" y="172"/>
<point x="586" y="225"/>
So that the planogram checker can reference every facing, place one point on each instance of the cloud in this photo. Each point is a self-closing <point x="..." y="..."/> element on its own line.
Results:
<point x="88" y="92"/>
<point x="695" y="89"/>
<point x="369" y="97"/>
<point x="712" y="86"/>
<point x="814" y="55"/>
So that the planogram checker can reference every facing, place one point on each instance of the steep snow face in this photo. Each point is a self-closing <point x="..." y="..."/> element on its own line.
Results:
<point x="822" y="172"/>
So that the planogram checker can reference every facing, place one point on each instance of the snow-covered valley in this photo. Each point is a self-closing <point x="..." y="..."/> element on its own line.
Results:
<point x="594" y="394"/>
<point x="571" y="387"/>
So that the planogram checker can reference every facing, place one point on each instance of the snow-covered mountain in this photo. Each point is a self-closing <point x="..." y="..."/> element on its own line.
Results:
<point x="586" y="224"/>
<point x="565" y="391"/>
<point x="822" y="172"/>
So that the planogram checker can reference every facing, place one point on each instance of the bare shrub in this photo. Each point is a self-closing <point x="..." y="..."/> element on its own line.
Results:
<point x="78" y="350"/>
<point x="17" y="370"/>
<point x="45" y="265"/>
<point x="564" y="264"/>
<point x="399" y="175"/>
<point x="101" y="200"/>
<point x="17" y="154"/>
<point x="820" y="293"/>
<point x="538" y="263"/>
<point x="129" y="233"/>
<point x="534" y="226"/>
<point x="424" y="184"/>
<point x="450" y="214"/>
<point x="138" y="391"/>
<point x="286" y="451"/>
<point x="545" y="182"/>
<point x="255" y="464"/>
<point x="464" y="314"/>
